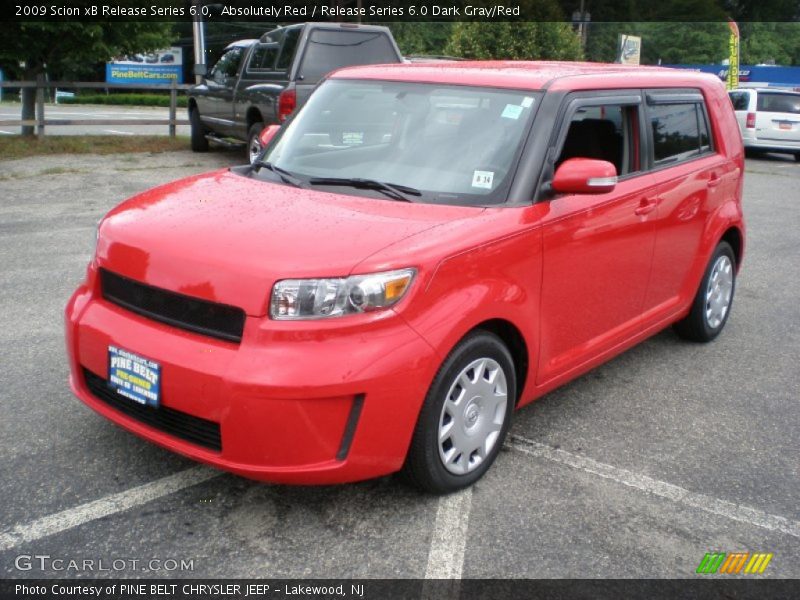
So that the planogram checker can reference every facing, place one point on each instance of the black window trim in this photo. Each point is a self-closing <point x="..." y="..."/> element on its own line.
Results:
<point x="661" y="97"/>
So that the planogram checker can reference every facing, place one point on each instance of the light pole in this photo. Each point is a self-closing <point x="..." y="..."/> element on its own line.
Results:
<point x="581" y="19"/>
<point x="198" y="33"/>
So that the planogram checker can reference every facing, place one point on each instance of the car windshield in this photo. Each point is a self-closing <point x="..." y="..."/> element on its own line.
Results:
<point x="448" y="144"/>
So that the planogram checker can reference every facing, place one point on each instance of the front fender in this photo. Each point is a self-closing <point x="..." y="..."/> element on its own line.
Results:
<point x="499" y="280"/>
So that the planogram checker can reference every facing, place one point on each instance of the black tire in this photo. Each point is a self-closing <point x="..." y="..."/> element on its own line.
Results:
<point x="696" y="325"/>
<point x="424" y="466"/>
<point x="797" y="157"/>
<point x="199" y="140"/>
<point x="254" y="140"/>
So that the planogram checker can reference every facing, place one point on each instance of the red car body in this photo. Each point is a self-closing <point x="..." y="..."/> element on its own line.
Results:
<point x="567" y="283"/>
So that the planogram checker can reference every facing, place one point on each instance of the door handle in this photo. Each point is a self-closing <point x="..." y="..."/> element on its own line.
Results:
<point x="647" y="205"/>
<point x="714" y="180"/>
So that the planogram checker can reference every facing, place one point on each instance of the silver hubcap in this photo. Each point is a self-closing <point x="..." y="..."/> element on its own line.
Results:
<point x="254" y="149"/>
<point x="472" y="416"/>
<point x="719" y="291"/>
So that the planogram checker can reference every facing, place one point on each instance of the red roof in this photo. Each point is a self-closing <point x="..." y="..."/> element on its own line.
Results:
<point x="530" y="75"/>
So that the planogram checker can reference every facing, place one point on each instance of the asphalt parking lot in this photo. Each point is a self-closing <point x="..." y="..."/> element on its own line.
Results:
<point x="636" y="469"/>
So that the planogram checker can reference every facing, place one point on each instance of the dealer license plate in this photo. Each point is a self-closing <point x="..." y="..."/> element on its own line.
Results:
<point x="135" y="377"/>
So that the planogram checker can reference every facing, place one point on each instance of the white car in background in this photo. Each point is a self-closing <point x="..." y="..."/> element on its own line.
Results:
<point x="769" y="120"/>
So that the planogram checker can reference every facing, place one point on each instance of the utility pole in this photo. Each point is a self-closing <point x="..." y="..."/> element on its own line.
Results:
<point x="198" y="34"/>
<point x="581" y="19"/>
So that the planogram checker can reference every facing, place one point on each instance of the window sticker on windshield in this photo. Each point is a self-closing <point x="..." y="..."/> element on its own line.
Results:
<point x="482" y="179"/>
<point x="527" y="102"/>
<point x="352" y="138"/>
<point x="512" y="111"/>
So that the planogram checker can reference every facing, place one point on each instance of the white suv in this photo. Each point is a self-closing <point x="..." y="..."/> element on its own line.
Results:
<point x="769" y="120"/>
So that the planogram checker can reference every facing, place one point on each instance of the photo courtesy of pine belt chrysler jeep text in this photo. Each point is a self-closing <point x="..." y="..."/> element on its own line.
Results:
<point x="417" y="252"/>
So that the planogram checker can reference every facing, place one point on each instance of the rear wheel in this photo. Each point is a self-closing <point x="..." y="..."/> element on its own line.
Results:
<point x="712" y="304"/>
<point x="797" y="157"/>
<point x="465" y="417"/>
<point x="199" y="140"/>
<point x="254" y="141"/>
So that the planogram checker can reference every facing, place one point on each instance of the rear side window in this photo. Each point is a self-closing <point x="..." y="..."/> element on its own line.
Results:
<point x="263" y="57"/>
<point x="679" y="131"/>
<point x="329" y="50"/>
<point x="776" y="102"/>
<point x="740" y="100"/>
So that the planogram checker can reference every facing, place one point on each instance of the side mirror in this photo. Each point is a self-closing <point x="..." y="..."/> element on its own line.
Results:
<point x="266" y="135"/>
<point x="585" y="176"/>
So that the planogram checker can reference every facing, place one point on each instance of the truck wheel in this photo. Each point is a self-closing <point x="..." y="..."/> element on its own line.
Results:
<point x="254" y="141"/>
<point x="465" y="416"/>
<point x="712" y="304"/>
<point x="199" y="140"/>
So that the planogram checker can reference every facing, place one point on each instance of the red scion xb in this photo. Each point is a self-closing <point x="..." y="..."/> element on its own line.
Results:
<point x="419" y="251"/>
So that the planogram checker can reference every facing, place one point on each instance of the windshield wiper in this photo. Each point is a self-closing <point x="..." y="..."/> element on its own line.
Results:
<point x="285" y="175"/>
<point x="392" y="190"/>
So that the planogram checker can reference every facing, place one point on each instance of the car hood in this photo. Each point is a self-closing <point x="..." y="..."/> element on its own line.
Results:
<point x="227" y="238"/>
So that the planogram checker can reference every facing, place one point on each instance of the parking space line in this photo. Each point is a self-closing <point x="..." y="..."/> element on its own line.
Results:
<point x="709" y="504"/>
<point x="449" y="539"/>
<point x="117" y="132"/>
<point x="103" y="507"/>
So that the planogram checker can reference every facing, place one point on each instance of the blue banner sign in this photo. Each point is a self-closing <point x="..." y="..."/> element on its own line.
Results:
<point x="162" y="67"/>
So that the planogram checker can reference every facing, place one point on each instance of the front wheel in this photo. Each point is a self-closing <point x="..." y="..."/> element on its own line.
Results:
<point x="712" y="304"/>
<point x="465" y="416"/>
<point x="254" y="141"/>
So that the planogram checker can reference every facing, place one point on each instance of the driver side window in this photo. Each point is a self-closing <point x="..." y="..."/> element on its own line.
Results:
<point x="228" y="65"/>
<point x="608" y="132"/>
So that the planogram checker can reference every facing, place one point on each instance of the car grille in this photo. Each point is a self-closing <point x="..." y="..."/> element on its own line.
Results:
<point x="201" y="316"/>
<point x="174" y="422"/>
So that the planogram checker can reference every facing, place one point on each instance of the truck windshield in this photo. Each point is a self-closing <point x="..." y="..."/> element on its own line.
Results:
<point x="451" y="144"/>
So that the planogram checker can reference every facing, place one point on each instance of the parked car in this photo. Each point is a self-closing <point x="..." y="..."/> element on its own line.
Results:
<point x="167" y="58"/>
<point x="769" y="120"/>
<point x="421" y="250"/>
<point x="261" y="82"/>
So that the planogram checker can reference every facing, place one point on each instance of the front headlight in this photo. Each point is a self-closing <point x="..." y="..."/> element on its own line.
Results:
<point x="294" y="299"/>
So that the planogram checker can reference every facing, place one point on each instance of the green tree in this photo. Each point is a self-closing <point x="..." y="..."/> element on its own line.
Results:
<point x="662" y="41"/>
<point x="422" y="38"/>
<point x="63" y="48"/>
<point x="515" y="41"/>
<point x="765" y="42"/>
<point x="546" y="36"/>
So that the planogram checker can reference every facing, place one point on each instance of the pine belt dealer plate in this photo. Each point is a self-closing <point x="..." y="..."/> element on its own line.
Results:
<point x="134" y="377"/>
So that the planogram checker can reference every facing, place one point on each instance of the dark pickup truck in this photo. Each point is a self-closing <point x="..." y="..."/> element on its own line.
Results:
<point x="261" y="82"/>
